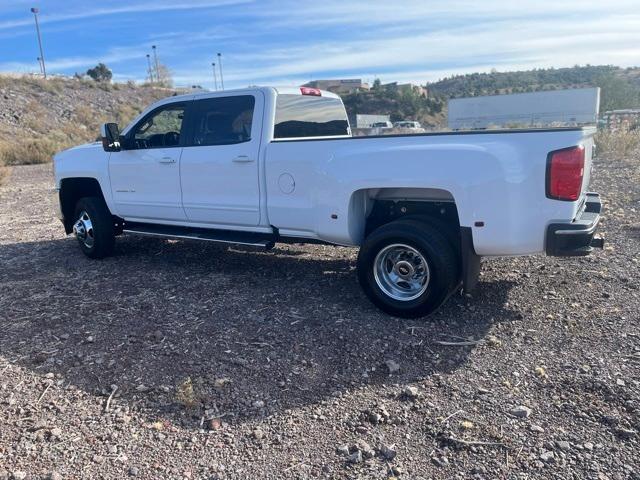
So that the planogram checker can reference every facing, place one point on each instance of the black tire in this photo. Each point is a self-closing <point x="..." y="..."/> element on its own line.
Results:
<point x="101" y="237"/>
<point x="434" y="247"/>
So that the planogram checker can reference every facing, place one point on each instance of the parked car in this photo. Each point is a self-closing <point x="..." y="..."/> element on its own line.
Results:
<point x="409" y="124"/>
<point x="264" y="165"/>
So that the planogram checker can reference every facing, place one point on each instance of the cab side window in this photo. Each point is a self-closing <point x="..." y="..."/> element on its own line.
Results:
<point x="161" y="129"/>
<point x="222" y="121"/>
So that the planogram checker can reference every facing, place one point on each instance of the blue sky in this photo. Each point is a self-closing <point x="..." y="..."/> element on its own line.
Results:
<point x="269" y="42"/>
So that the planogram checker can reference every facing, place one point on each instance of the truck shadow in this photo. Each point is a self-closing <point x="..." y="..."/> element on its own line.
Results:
<point x="189" y="330"/>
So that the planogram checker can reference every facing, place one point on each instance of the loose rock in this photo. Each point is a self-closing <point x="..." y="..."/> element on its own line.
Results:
<point x="343" y="450"/>
<point x="392" y="366"/>
<point x="387" y="451"/>
<point x="548" y="457"/>
<point x="626" y="433"/>
<point x="355" y="457"/>
<point x="411" y="392"/>
<point x="521" y="411"/>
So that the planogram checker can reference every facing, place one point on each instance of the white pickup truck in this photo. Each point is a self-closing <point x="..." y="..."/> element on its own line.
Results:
<point x="264" y="165"/>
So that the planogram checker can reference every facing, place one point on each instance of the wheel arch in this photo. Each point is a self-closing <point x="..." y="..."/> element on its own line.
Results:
<point x="374" y="207"/>
<point x="371" y="208"/>
<point x="73" y="189"/>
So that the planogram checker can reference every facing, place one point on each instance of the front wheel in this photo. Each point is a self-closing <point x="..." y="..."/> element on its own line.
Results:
<point x="93" y="227"/>
<point x="407" y="268"/>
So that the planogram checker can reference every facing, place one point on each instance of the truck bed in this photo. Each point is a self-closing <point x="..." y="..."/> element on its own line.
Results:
<point x="586" y="129"/>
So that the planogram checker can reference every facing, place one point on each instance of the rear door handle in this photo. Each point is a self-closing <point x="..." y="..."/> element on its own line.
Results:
<point x="167" y="160"/>
<point x="242" y="159"/>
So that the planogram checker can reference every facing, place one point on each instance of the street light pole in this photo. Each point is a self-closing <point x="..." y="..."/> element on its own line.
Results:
<point x="220" y="66"/>
<point x="155" y="58"/>
<point x="35" y="15"/>
<point x="215" y="77"/>
<point x="149" y="70"/>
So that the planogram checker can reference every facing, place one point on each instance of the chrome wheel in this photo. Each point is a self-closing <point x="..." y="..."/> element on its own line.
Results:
<point x="83" y="230"/>
<point x="401" y="272"/>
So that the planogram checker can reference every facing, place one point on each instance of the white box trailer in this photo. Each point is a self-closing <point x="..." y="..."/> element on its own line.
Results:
<point x="578" y="106"/>
<point x="361" y="120"/>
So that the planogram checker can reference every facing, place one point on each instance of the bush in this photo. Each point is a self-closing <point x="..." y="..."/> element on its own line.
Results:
<point x="29" y="152"/>
<point x="100" y="73"/>
<point x="616" y="145"/>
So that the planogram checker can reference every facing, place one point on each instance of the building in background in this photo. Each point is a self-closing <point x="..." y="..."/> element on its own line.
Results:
<point x="616" y="120"/>
<point x="340" y="86"/>
<point x="366" y="121"/>
<point x="577" y="106"/>
<point x="406" y="87"/>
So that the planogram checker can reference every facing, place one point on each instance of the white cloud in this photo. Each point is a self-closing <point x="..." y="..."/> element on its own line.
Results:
<point x="505" y="44"/>
<point x="411" y="13"/>
<point x="157" y="6"/>
<point x="290" y="42"/>
<point x="112" y="57"/>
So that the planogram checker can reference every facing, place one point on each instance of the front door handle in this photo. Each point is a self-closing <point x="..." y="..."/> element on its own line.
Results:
<point x="167" y="160"/>
<point x="242" y="159"/>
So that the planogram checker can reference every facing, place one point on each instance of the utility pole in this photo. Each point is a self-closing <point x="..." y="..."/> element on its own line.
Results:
<point x="149" y="70"/>
<point x="40" y="64"/>
<point x="220" y="66"/>
<point x="35" y="15"/>
<point x="155" y="58"/>
<point x="215" y="77"/>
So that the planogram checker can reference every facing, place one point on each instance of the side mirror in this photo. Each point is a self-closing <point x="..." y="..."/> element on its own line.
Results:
<point x="110" y="137"/>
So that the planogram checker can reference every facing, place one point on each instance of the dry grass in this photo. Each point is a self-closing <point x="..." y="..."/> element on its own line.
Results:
<point x="186" y="394"/>
<point x="51" y="85"/>
<point x="617" y="145"/>
<point x="51" y="119"/>
<point x="40" y="144"/>
<point x="4" y="174"/>
<point x="31" y="151"/>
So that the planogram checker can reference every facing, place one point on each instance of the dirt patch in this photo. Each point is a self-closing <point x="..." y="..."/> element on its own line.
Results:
<point x="187" y="360"/>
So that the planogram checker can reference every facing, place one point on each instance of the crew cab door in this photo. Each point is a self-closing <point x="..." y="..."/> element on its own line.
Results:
<point x="219" y="165"/>
<point x="145" y="176"/>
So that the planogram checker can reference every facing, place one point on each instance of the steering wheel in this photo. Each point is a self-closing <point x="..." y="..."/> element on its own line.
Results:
<point x="171" y="139"/>
<point x="141" y="143"/>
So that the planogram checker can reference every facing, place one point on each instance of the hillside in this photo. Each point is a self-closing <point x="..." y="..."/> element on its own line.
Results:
<point x="40" y="117"/>
<point x="620" y="86"/>
<point x="399" y="106"/>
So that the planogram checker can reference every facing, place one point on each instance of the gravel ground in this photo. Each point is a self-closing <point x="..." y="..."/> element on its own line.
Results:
<point x="188" y="360"/>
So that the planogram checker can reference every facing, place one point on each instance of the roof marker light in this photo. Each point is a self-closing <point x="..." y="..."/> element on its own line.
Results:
<point x="315" y="92"/>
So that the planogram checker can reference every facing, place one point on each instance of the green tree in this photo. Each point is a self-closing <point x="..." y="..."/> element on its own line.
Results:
<point x="616" y="93"/>
<point x="100" y="73"/>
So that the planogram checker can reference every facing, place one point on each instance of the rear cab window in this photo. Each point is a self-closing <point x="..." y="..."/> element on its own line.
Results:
<point x="309" y="116"/>
<point x="222" y="120"/>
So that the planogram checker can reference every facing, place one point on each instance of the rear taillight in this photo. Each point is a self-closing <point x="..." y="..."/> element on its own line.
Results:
<point x="310" y="91"/>
<point x="565" y="169"/>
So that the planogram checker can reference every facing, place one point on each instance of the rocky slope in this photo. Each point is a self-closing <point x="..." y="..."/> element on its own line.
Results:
<point x="39" y="117"/>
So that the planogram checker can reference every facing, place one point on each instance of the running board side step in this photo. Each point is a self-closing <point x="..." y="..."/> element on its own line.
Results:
<point x="254" y="239"/>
